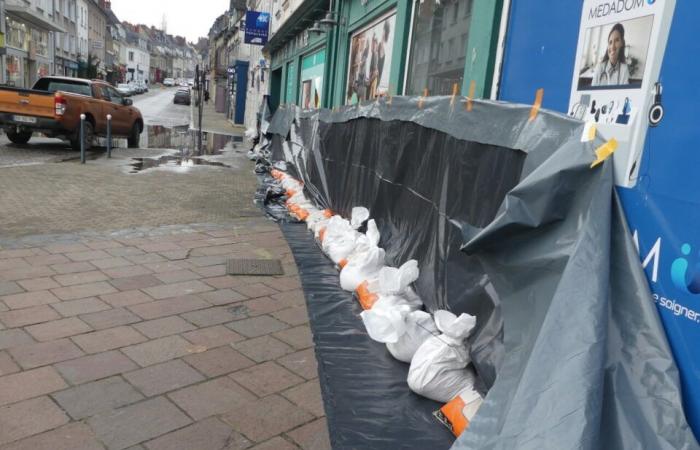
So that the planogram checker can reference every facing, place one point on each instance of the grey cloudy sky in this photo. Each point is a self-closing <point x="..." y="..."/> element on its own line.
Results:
<point x="189" y="18"/>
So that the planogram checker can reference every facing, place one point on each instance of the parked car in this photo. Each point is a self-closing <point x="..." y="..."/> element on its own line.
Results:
<point x="190" y="81"/>
<point x="136" y="87"/>
<point x="182" y="96"/>
<point x="143" y="87"/>
<point x="169" y="82"/>
<point x="54" y="105"/>
<point x="125" y="89"/>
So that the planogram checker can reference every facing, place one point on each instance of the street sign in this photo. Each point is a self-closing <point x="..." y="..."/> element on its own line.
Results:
<point x="256" y="27"/>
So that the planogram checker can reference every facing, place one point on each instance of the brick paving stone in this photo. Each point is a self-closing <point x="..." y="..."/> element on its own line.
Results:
<point x="149" y="258"/>
<point x="43" y="353"/>
<point x="267" y="417"/>
<point x="84" y="290"/>
<point x="177" y="276"/>
<point x="23" y="273"/>
<point x="302" y="363"/>
<point x="95" y="367"/>
<point x="82" y="306"/>
<point x="164" y="327"/>
<point x="112" y="263"/>
<point x="103" y="245"/>
<point x="110" y="318"/>
<point x="163" y="266"/>
<point x="13" y="263"/>
<point x="100" y="341"/>
<point x="283" y="284"/>
<point x="312" y="436"/>
<point x="212" y="397"/>
<point x="204" y="261"/>
<point x="175" y="255"/>
<point x="46" y="260"/>
<point x="255" y="290"/>
<point x="89" y="255"/>
<point x="209" y="316"/>
<point x="211" y="271"/>
<point x="67" y="248"/>
<point x="125" y="251"/>
<point x="58" y="329"/>
<point x="14" y="338"/>
<point x="126" y="298"/>
<point x="9" y="287"/>
<point x="169" y="307"/>
<point x="71" y="279"/>
<point x="218" y="361"/>
<point x="177" y="289"/>
<point x="266" y="378"/>
<point x="157" y="247"/>
<point x="17" y="253"/>
<point x="28" y="316"/>
<point x="74" y="267"/>
<point x="73" y="436"/>
<point x="212" y="337"/>
<point x="227" y="281"/>
<point x="299" y="337"/>
<point x="291" y="298"/>
<point x="30" y="417"/>
<point x="209" y="434"/>
<point x="29" y="384"/>
<point x="29" y="299"/>
<point x="223" y="297"/>
<point x="38" y="284"/>
<point x="158" y="350"/>
<point x="263" y="348"/>
<point x="137" y="423"/>
<point x="307" y="396"/>
<point x="263" y="305"/>
<point x="296" y="315"/>
<point x="165" y="377"/>
<point x="93" y="398"/>
<point x="127" y="271"/>
<point x="276" y="443"/>
<point x="7" y="366"/>
<point x="257" y="326"/>
<point x="135" y="282"/>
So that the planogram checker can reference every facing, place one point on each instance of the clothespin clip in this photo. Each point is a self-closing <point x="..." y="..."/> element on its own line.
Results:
<point x="604" y="151"/>
<point x="538" y="103"/>
<point x="472" y="90"/>
<point x="455" y="89"/>
<point x="421" y="100"/>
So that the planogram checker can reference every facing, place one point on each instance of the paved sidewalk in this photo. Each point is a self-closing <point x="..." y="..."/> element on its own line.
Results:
<point x="137" y="339"/>
<point x="214" y="122"/>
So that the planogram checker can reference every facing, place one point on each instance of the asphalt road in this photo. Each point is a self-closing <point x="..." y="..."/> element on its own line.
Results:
<point x="157" y="108"/>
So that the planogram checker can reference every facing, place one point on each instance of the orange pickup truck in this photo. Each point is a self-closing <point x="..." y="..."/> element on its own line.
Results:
<point x="54" y="105"/>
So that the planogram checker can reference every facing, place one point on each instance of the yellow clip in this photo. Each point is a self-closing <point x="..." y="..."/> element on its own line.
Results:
<point x="591" y="133"/>
<point x="455" y="89"/>
<point x="538" y="103"/>
<point x="604" y="151"/>
<point x="472" y="90"/>
<point x="422" y="99"/>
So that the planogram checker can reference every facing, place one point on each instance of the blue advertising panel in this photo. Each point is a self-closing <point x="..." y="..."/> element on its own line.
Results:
<point x="256" y="27"/>
<point x="663" y="207"/>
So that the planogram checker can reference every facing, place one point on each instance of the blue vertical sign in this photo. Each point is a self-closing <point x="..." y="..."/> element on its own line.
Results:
<point x="257" y="25"/>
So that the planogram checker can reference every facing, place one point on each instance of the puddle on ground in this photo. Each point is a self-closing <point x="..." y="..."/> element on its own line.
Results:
<point x="184" y="143"/>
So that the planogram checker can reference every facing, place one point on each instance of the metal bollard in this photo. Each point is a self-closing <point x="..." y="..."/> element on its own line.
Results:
<point x="82" y="139"/>
<point x="109" y="135"/>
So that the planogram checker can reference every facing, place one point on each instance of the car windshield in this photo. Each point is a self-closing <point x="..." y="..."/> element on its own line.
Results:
<point x="123" y="86"/>
<point x="53" y="85"/>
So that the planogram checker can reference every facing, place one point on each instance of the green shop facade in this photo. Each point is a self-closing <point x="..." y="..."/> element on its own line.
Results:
<point x="372" y="48"/>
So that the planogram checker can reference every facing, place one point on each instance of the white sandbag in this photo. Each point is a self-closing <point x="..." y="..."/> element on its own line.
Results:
<point x="418" y="327"/>
<point x="439" y="367"/>
<point x="340" y="247"/>
<point x="395" y="281"/>
<point x="365" y="241"/>
<point x="337" y="229"/>
<point x="385" y="324"/>
<point x="251" y="133"/>
<point x="358" y="216"/>
<point x="363" y="267"/>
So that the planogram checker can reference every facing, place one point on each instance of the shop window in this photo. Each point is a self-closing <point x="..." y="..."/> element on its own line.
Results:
<point x="441" y="32"/>
<point x="311" y="85"/>
<point x="41" y="42"/>
<point x="13" y="71"/>
<point x="16" y="34"/>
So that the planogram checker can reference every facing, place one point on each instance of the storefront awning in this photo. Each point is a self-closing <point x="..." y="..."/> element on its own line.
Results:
<point x="26" y="14"/>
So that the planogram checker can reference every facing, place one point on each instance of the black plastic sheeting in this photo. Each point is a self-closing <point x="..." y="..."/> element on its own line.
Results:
<point x="381" y="412"/>
<point x="508" y="223"/>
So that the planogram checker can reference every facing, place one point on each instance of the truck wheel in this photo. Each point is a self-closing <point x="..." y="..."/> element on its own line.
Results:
<point x="19" y="138"/>
<point x="89" y="135"/>
<point x="134" y="136"/>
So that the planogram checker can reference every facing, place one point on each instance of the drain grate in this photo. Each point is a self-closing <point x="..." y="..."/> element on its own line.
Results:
<point x="254" y="267"/>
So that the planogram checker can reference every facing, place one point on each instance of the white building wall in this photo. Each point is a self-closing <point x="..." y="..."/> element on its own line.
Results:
<point x="258" y="71"/>
<point x="82" y="27"/>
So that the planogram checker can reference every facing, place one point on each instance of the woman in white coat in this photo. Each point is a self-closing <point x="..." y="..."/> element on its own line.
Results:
<point x="613" y="70"/>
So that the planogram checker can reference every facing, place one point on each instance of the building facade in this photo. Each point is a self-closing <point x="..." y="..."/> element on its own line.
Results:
<point x="97" y="30"/>
<point x="29" y="40"/>
<point x="66" y="44"/>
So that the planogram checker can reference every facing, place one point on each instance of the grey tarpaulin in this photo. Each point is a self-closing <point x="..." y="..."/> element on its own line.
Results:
<point x="509" y="223"/>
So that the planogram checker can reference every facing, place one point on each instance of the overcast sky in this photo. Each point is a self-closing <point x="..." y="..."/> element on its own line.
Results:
<point x="189" y="18"/>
